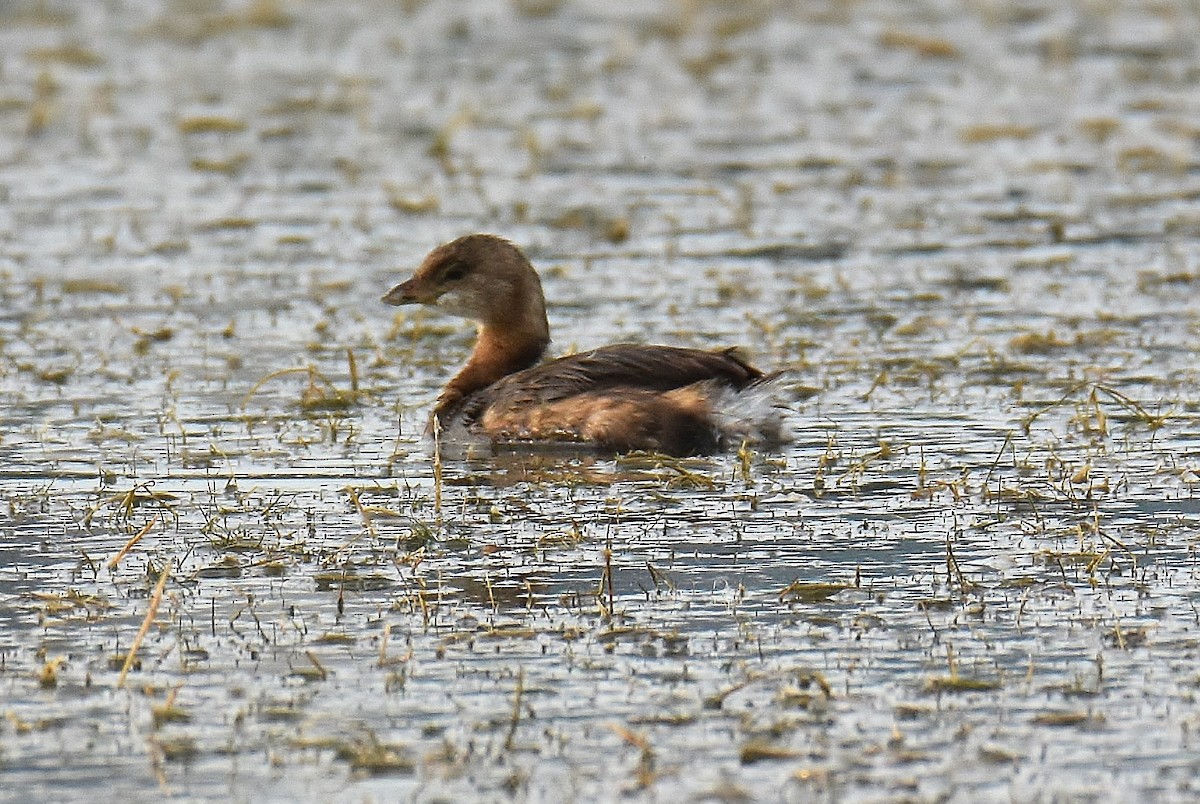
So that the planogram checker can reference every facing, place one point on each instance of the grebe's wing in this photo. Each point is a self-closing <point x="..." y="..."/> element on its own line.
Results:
<point x="622" y="366"/>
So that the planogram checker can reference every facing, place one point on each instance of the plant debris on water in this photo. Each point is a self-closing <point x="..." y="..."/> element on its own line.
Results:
<point x="236" y="563"/>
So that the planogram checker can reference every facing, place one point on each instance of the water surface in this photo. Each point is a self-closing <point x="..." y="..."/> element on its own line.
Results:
<point x="968" y="231"/>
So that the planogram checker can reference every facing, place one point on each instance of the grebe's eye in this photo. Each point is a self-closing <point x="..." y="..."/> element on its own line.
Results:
<point x="455" y="272"/>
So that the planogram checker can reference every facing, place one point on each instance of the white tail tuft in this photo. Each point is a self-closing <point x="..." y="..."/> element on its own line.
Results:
<point x="754" y="414"/>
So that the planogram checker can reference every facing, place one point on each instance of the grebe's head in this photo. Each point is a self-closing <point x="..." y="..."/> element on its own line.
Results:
<point x="481" y="277"/>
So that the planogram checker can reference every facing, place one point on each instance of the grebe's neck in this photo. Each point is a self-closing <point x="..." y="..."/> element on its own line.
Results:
<point x="499" y="351"/>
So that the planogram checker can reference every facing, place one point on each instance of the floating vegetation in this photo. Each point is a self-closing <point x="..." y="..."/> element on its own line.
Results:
<point x="352" y="581"/>
<point x="210" y="124"/>
<point x="928" y="46"/>
<point x="229" y="166"/>
<point x="412" y="203"/>
<point x="990" y="132"/>
<point x="600" y="224"/>
<point x="74" y="55"/>
<point x="760" y="751"/>
<point x="169" y="712"/>
<point x="369" y="755"/>
<point x="193" y="24"/>
<point x="1062" y="719"/>
<point x="94" y="285"/>
<point x="320" y="394"/>
<point x="954" y="683"/>
<point x="800" y="592"/>
<point x="182" y="748"/>
<point x="147" y="339"/>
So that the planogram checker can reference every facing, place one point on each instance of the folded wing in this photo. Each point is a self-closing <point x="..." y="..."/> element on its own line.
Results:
<point x="622" y="366"/>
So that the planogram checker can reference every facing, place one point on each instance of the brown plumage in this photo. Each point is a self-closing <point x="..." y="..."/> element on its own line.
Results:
<point x="616" y="398"/>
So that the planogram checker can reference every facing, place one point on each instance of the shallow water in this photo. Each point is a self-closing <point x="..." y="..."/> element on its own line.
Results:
<point x="968" y="231"/>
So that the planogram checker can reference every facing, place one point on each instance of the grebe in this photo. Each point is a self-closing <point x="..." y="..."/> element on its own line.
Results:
<point x="616" y="398"/>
